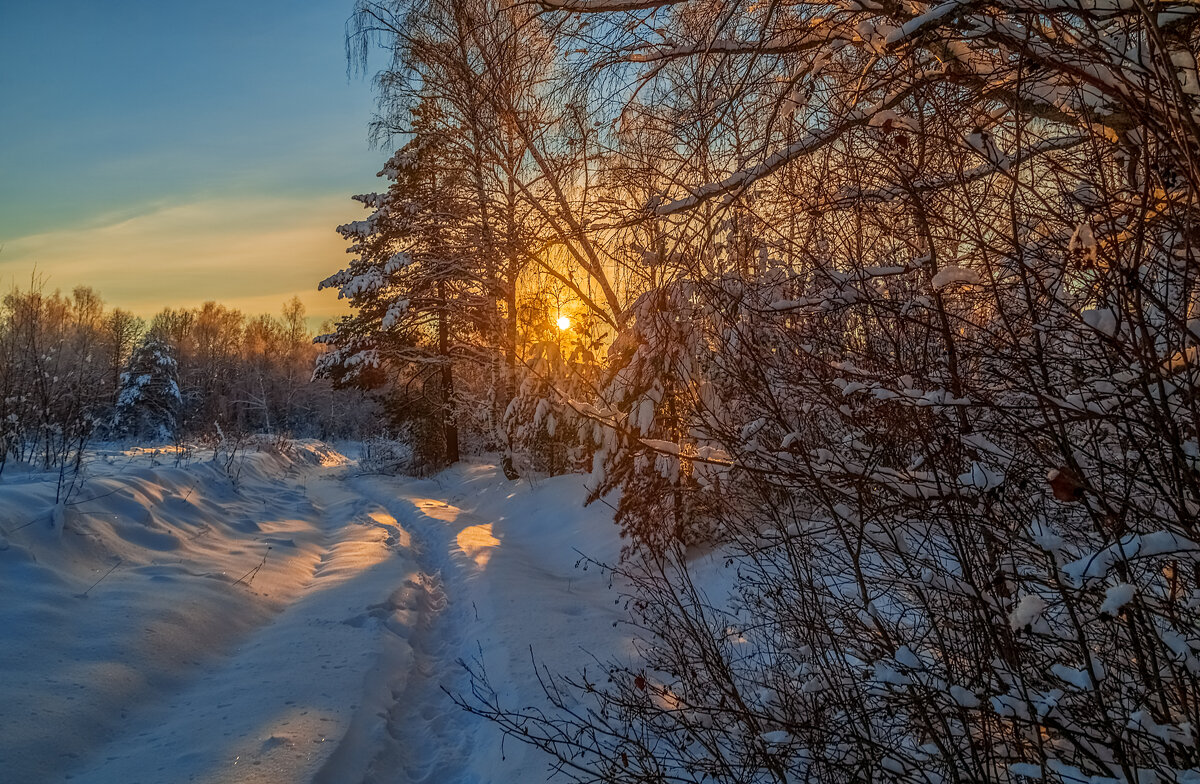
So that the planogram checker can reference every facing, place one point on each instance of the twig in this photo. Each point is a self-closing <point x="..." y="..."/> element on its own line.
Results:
<point x="188" y="494"/>
<point x="114" y="491"/>
<point x="23" y="525"/>
<point x="254" y="572"/>
<point x="84" y="595"/>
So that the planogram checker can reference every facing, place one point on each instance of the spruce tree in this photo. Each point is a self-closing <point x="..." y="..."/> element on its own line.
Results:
<point x="148" y="401"/>
<point x="417" y="290"/>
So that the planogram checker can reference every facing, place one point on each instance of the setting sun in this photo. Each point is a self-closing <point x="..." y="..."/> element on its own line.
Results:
<point x="564" y="322"/>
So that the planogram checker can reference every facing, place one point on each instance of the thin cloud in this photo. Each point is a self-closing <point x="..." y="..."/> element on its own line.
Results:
<point x="249" y="253"/>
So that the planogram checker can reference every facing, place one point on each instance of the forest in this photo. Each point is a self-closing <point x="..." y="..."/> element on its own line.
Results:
<point x="891" y="305"/>
<point x="872" y="325"/>
<point x="74" y="371"/>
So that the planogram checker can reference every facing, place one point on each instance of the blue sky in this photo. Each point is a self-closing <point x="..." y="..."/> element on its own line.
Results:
<point x="171" y="152"/>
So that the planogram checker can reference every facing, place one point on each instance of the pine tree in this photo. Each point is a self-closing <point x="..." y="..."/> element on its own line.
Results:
<point x="148" y="401"/>
<point x="417" y="287"/>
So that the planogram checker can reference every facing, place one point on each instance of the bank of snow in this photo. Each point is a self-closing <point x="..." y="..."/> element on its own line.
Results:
<point x="285" y="619"/>
<point x="178" y="621"/>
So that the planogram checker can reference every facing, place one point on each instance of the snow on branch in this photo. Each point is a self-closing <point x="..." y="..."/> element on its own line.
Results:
<point x="605" y="6"/>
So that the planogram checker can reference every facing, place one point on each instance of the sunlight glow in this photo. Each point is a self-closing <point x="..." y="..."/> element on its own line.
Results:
<point x="477" y="542"/>
<point x="564" y="322"/>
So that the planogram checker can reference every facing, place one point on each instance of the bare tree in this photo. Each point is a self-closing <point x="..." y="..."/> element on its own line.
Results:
<point x="916" y="357"/>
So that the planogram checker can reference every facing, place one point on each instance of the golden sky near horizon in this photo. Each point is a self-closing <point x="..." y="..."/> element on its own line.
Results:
<point x="252" y="254"/>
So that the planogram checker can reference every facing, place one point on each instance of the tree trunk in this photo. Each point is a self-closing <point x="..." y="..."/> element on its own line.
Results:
<point x="510" y="327"/>
<point x="449" y="428"/>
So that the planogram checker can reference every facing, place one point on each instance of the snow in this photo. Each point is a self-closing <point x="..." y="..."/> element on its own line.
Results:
<point x="964" y="697"/>
<point x="1131" y="546"/>
<point x="1103" y="320"/>
<point x="891" y="120"/>
<point x="1143" y="721"/>
<point x="1117" y="597"/>
<point x="1027" y="770"/>
<point x="777" y="737"/>
<point x="1027" y="612"/>
<point x="906" y="657"/>
<point x="885" y="673"/>
<point x="395" y="312"/>
<point x="981" y="477"/>
<point x="659" y="445"/>
<point x="1077" y="678"/>
<point x="952" y="273"/>
<point x="286" y="620"/>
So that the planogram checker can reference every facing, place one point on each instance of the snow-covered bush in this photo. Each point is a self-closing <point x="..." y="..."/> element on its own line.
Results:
<point x="384" y="455"/>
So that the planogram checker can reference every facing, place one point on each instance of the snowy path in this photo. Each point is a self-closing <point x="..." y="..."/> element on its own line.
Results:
<point x="276" y="706"/>
<point x="328" y="663"/>
<point x="504" y="555"/>
<point x="429" y="740"/>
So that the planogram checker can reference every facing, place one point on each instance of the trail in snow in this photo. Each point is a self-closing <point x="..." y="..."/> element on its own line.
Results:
<point x="429" y="740"/>
<point x="505" y="556"/>
<point x="329" y="663"/>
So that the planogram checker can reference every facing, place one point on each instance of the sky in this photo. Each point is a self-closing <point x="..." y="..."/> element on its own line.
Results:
<point x="169" y="152"/>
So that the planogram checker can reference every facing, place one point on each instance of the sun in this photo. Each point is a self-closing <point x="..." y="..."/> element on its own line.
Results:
<point x="564" y="322"/>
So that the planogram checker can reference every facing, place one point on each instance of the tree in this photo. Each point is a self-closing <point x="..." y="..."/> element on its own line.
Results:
<point x="122" y="332"/>
<point x="149" y="401"/>
<point x="921" y="368"/>
<point x="417" y="285"/>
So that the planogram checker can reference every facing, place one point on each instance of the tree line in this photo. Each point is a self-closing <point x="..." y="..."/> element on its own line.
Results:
<point x="892" y="304"/>
<point x="73" y="370"/>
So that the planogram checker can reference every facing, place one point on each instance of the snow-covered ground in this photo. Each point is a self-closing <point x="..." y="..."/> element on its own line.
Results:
<point x="285" y="618"/>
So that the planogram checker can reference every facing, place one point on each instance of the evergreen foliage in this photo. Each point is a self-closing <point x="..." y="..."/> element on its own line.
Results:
<point x="148" y="399"/>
